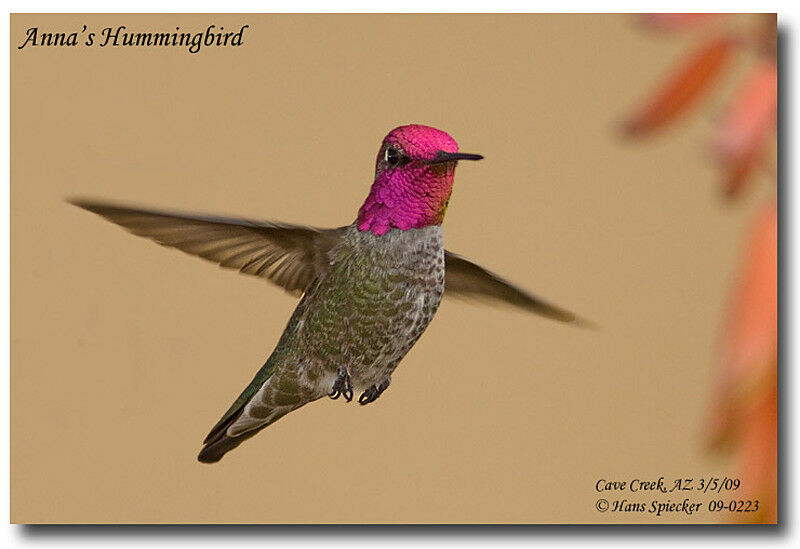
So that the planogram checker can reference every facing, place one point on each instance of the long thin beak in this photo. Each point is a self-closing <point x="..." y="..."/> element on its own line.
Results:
<point x="442" y="157"/>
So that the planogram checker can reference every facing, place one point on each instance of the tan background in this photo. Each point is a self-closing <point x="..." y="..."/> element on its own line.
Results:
<point x="124" y="354"/>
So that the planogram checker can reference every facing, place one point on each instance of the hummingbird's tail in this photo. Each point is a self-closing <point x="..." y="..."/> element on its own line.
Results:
<point x="216" y="448"/>
<point x="220" y="441"/>
<point x="264" y="401"/>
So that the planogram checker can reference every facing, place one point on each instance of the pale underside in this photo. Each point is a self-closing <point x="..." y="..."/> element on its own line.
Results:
<point x="364" y="313"/>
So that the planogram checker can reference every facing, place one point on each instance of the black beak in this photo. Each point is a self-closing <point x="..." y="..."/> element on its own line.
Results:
<point x="443" y="157"/>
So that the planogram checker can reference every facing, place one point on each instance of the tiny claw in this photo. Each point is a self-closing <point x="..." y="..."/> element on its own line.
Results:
<point x="342" y="386"/>
<point x="372" y="394"/>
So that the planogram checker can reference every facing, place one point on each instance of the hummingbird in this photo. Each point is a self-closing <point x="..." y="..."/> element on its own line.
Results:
<point x="369" y="289"/>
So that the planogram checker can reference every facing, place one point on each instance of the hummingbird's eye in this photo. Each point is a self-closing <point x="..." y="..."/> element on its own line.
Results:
<point x="392" y="156"/>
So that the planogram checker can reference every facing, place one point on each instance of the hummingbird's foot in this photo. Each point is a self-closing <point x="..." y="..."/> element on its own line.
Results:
<point x="372" y="394"/>
<point x="342" y="385"/>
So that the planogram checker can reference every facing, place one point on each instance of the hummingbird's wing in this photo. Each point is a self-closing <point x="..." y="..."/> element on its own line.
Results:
<point x="288" y="255"/>
<point x="463" y="277"/>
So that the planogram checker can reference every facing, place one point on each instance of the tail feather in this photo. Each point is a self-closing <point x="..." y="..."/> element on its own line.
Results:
<point x="275" y="402"/>
<point x="218" y="443"/>
<point x="215" y="449"/>
<point x="236" y="408"/>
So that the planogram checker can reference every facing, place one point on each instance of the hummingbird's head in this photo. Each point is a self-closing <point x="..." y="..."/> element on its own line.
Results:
<point x="413" y="180"/>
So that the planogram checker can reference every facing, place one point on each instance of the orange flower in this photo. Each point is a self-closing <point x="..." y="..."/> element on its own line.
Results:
<point x="683" y="88"/>
<point x="744" y="415"/>
<point x="741" y="139"/>
<point x="751" y="118"/>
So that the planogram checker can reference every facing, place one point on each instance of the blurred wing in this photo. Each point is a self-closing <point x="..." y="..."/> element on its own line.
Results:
<point x="463" y="277"/>
<point x="284" y="254"/>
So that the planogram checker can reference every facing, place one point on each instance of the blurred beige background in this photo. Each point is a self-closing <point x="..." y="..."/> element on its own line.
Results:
<point x="124" y="354"/>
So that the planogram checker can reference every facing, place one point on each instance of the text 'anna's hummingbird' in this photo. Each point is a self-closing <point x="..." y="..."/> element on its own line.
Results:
<point x="368" y="289"/>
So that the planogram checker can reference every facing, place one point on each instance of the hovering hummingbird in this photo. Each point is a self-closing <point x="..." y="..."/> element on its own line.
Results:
<point x="369" y="289"/>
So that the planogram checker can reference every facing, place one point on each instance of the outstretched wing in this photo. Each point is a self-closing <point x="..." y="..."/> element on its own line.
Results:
<point x="463" y="277"/>
<point x="287" y="255"/>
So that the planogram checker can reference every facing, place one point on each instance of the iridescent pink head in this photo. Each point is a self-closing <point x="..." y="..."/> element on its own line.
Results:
<point x="413" y="180"/>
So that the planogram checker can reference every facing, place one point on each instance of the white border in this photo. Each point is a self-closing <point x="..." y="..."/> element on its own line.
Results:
<point x="397" y="6"/>
<point x="789" y="14"/>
